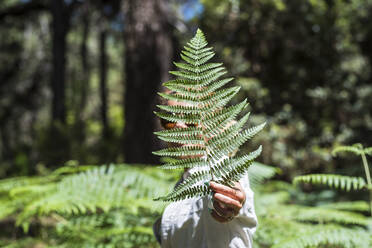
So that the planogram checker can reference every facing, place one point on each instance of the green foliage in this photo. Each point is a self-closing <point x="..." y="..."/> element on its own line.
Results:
<point x="285" y="223"/>
<point x="201" y="100"/>
<point x="334" y="181"/>
<point x="324" y="215"/>
<point x="356" y="149"/>
<point x="107" y="206"/>
<point x="88" y="206"/>
<point x="258" y="173"/>
<point x="120" y="228"/>
<point x="98" y="189"/>
<point x="88" y="219"/>
<point x="340" y="224"/>
<point x="330" y="236"/>
<point x="282" y="57"/>
<point x="344" y="182"/>
<point x="356" y="206"/>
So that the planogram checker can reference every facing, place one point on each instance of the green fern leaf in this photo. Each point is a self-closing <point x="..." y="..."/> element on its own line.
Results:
<point x="199" y="69"/>
<point x="191" y="119"/>
<point x="355" y="206"/>
<point x="323" y="215"/>
<point x="185" y="163"/>
<point x="334" y="181"/>
<point x="330" y="236"/>
<point x="198" y="92"/>
<point x="356" y="149"/>
<point x="201" y="99"/>
<point x="368" y="151"/>
<point x="258" y="173"/>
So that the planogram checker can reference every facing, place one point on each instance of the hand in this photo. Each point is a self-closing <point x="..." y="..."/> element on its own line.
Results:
<point x="227" y="201"/>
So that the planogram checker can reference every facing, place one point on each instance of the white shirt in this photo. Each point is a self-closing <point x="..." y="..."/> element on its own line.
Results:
<point x="188" y="224"/>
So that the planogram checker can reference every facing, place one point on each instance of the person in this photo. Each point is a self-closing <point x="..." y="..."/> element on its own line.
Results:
<point x="226" y="219"/>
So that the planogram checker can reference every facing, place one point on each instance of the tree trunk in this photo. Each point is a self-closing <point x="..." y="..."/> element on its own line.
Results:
<point x="58" y="144"/>
<point x="84" y="60"/>
<point x="103" y="79"/>
<point x="148" y="55"/>
<point x="60" y="27"/>
<point x="84" y="80"/>
<point x="83" y="84"/>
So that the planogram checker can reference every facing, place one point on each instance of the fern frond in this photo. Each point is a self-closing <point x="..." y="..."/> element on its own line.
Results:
<point x="236" y="171"/>
<point x="181" y="98"/>
<point x="182" y="190"/>
<point x="117" y="228"/>
<point x="181" y="151"/>
<point x="110" y="206"/>
<point x="368" y="151"/>
<point x="199" y="69"/>
<point x="180" y="109"/>
<point x="100" y="189"/>
<point x="211" y="79"/>
<point x="184" y="193"/>
<point x="323" y="215"/>
<point x="228" y="170"/>
<point x="334" y="181"/>
<point x="258" y="172"/>
<point x="201" y="100"/>
<point x="330" y="235"/>
<point x="190" y="119"/>
<point x="196" y="60"/>
<point x="221" y="95"/>
<point x="355" y="206"/>
<point x="10" y="183"/>
<point x="197" y="92"/>
<point x="199" y="105"/>
<point x="217" y="121"/>
<point x="220" y="99"/>
<point x="198" y="56"/>
<point x="190" y="139"/>
<point x="185" y="163"/>
<point x="353" y="149"/>
<point x="228" y="133"/>
<point x="190" y="48"/>
<point x="197" y="76"/>
<point x="232" y="144"/>
<point x="71" y="169"/>
<point x="192" y="131"/>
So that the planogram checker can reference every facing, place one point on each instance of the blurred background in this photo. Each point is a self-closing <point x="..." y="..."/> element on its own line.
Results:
<point x="78" y="83"/>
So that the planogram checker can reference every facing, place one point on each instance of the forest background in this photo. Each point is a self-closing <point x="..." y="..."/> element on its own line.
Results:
<point x="78" y="81"/>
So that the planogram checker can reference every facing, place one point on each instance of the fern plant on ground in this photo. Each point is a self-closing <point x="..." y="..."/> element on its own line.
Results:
<point x="341" y="224"/>
<point x="285" y="223"/>
<point x="122" y="222"/>
<point x="108" y="206"/>
<point x="89" y="206"/>
<point x="344" y="182"/>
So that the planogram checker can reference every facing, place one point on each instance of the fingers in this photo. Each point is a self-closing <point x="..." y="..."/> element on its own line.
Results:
<point x="227" y="201"/>
<point x="223" y="210"/>
<point x="236" y="193"/>
<point x="218" y="217"/>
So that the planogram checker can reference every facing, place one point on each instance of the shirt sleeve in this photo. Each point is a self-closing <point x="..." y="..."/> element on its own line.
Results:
<point x="247" y="215"/>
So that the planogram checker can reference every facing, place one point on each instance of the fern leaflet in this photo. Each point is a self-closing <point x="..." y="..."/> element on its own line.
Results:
<point x="334" y="181"/>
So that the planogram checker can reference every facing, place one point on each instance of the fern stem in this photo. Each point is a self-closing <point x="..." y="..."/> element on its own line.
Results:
<point x="206" y="148"/>
<point x="368" y="176"/>
<point x="204" y="136"/>
<point x="366" y="168"/>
